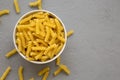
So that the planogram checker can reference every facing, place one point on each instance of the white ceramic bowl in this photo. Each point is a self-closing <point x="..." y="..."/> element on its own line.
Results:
<point x="14" y="37"/>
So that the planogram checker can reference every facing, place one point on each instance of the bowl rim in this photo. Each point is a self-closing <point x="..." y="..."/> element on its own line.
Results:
<point x="14" y="40"/>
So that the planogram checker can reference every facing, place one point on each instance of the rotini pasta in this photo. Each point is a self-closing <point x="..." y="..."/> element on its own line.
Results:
<point x="57" y="71"/>
<point x="31" y="79"/>
<point x="38" y="56"/>
<point x="38" y="36"/>
<point x="17" y="8"/>
<point x="19" y="44"/>
<point x="37" y="27"/>
<point x="64" y="68"/>
<point x="22" y="40"/>
<point x="26" y="36"/>
<point x="20" y="73"/>
<point x="39" y="48"/>
<point x="40" y="4"/>
<point x="4" y="75"/>
<point x="69" y="33"/>
<point x="3" y="12"/>
<point x="37" y="3"/>
<point x="44" y="70"/>
<point x="33" y="4"/>
<point x="12" y="52"/>
<point x="31" y="36"/>
<point x="29" y="48"/>
<point x="45" y="75"/>
<point x="58" y="61"/>
<point x="47" y="34"/>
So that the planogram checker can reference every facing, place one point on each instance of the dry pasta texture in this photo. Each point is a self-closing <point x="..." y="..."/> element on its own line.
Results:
<point x="17" y="8"/>
<point x="4" y="75"/>
<point x="40" y="33"/>
<point x="20" y="73"/>
<point x="44" y="70"/>
<point x="45" y="76"/>
<point x="37" y="3"/>
<point x="61" y="68"/>
<point x="69" y="33"/>
<point x="57" y="71"/>
<point x="64" y="68"/>
<point x="31" y="79"/>
<point x="3" y="12"/>
<point x="12" y="52"/>
<point x="58" y="61"/>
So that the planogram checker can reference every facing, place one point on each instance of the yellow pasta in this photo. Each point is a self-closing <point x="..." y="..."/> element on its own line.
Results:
<point x="37" y="27"/>
<point x="12" y="52"/>
<point x="58" y="61"/>
<point x="46" y="17"/>
<point x="31" y="36"/>
<point x="61" y="39"/>
<point x="64" y="68"/>
<point x="58" y="49"/>
<point x="49" y="24"/>
<point x="3" y="12"/>
<point x="44" y="58"/>
<point x="47" y="34"/>
<point x="62" y="34"/>
<point x="44" y="70"/>
<point x="58" y="25"/>
<point x="49" y="48"/>
<point x="52" y="40"/>
<point x="29" y="48"/>
<point x="17" y="8"/>
<point x="40" y="4"/>
<point x="39" y="16"/>
<point x="40" y="36"/>
<point x="19" y="44"/>
<point x="4" y="75"/>
<point x="35" y="43"/>
<point x="32" y="23"/>
<point x="38" y="48"/>
<point x="54" y="36"/>
<point x="69" y="33"/>
<point x="37" y="3"/>
<point x="25" y="20"/>
<point x="57" y="71"/>
<point x="45" y="75"/>
<point x="42" y="42"/>
<point x="22" y="40"/>
<point x="33" y="4"/>
<point x="26" y="36"/>
<point x="33" y="54"/>
<point x="20" y="73"/>
<point x="18" y="29"/>
<point x="30" y="59"/>
<point x="54" y="51"/>
<point x="23" y="26"/>
<point x="42" y="20"/>
<point x="31" y="29"/>
<point x="42" y="28"/>
<point x="31" y="79"/>
<point x="52" y="21"/>
<point x="38" y="56"/>
<point x="23" y="51"/>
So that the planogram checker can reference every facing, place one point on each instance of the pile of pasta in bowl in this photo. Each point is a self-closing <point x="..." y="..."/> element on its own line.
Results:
<point x="39" y="36"/>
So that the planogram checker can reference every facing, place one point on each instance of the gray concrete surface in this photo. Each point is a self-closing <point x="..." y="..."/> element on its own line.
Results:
<point x="92" y="53"/>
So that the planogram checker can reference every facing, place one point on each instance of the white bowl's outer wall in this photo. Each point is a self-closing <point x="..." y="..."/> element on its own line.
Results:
<point x="14" y="38"/>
